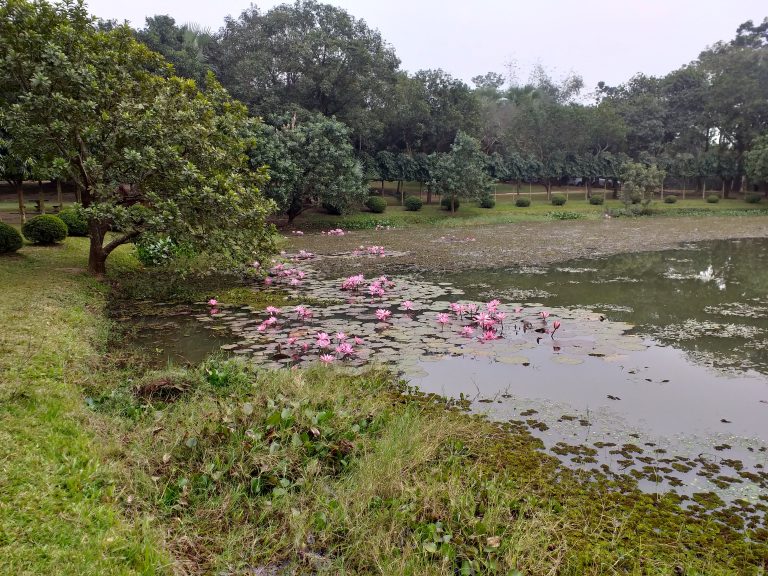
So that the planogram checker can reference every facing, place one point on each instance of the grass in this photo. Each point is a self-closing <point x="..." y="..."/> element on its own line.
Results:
<point x="505" y="211"/>
<point x="58" y="499"/>
<point x="246" y="471"/>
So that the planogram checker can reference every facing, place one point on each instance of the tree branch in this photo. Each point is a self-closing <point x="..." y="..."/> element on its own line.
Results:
<point x="120" y="241"/>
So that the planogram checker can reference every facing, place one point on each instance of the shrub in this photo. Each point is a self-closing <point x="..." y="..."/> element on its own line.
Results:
<point x="596" y="200"/>
<point x="376" y="204"/>
<point x="156" y="251"/>
<point x="565" y="215"/>
<point x="753" y="198"/>
<point x="446" y="203"/>
<point x="331" y="209"/>
<point x="713" y="199"/>
<point x="413" y="203"/>
<point x="77" y="225"/>
<point x="10" y="239"/>
<point x="487" y="202"/>
<point x="45" y="229"/>
<point x="670" y="199"/>
<point x="558" y="200"/>
<point x="635" y="199"/>
<point x="523" y="202"/>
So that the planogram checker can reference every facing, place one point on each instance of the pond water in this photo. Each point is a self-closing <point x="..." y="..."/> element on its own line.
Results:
<point x="658" y="371"/>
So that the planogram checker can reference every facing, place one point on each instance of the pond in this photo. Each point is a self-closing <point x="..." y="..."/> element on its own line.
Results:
<point x="650" y="365"/>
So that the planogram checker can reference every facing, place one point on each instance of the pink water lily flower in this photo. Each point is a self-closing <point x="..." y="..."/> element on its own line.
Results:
<point x="407" y="305"/>
<point x="467" y="331"/>
<point x="291" y="341"/>
<point x="544" y="314"/>
<point x="500" y="316"/>
<point x="271" y="321"/>
<point x="273" y="310"/>
<point x="327" y="358"/>
<point x="457" y="308"/>
<point x="518" y="310"/>
<point x="213" y="302"/>
<point x="340" y="336"/>
<point x="383" y="315"/>
<point x="358" y="341"/>
<point x="268" y="281"/>
<point x="484" y="320"/>
<point x="443" y="319"/>
<point x="489" y="335"/>
<point x="345" y="349"/>
<point x="492" y="305"/>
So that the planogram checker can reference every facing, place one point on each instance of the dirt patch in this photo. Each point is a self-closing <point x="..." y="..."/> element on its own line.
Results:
<point x="531" y="243"/>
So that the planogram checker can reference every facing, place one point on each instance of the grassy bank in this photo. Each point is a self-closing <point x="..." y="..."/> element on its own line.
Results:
<point x="245" y="471"/>
<point x="59" y="512"/>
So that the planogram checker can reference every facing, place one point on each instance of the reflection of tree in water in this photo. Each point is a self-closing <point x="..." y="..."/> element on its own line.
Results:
<point x="708" y="299"/>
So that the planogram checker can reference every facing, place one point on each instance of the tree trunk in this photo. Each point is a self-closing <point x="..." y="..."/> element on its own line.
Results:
<point x="615" y="183"/>
<point x="382" y="186"/>
<point x="20" y="194"/>
<point x="400" y="189"/>
<point x="97" y="257"/>
<point x="453" y="205"/>
<point x="40" y="196"/>
<point x="429" y="194"/>
<point x="548" y="186"/>
<point x="59" y="194"/>
<point x="588" y="188"/>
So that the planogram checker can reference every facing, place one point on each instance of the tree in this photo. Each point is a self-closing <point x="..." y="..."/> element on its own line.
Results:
<point x="187" y="47"/>
<point x="150" y="153"/>
<point x="757" y="161"/>
<point x="640" y="181"/>
<point x="312" y="163"/>
<point x="461" y="173"/>
<point x="306" y="55"/>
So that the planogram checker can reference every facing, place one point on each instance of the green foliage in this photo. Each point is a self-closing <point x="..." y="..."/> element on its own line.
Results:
<point x="448" y="203"/>
<point x="376" y="204"/>
<point x="753" y="197"/>
<point x="310" y="163"/>
<point x="156" y="251"/>
<point x="74" y="218"/>
<point x="670" y="199"/>
<point x="487" y="201"/>
<point x="756" y="160"/>
<point x="558" y="200"/>
<point x="596" y="200"/>
<point x="120" y="117"/>
<point x="413" y="203"/>
<point x="461" y="173"/>
<point x="713" y="198"/>
<point x="44" y="229"/>
<point x="640" y="181"/>
<point x="10" y="239"/>
<point x="565" y="215"/>
<point x="522" y="202"/>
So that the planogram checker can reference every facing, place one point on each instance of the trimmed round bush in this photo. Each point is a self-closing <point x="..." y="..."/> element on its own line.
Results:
<point x="596" y="200"/>
<point x="10" y="239"/>
<point x="713" y="199"/>
<point x="413" y="203"/>
<point x="45" y="229"/>
<point x="446" y="203"/>
<point x="753" y="198"/>
<point x="376" y="204"/>
<point x="635" y="199"/>
<point x="671" y="199"/>
<point x="558" y="200"/>
<point x="487" y="202"/>
<point x="77" y="225"/>
<point x="522" y="202"/>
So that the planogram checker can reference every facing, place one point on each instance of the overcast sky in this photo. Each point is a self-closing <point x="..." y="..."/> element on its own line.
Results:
<point x="607" y="40"/>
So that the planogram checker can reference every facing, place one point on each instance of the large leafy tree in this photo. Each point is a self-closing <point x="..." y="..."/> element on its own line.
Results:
<point x="150" y="153"/>
<point x="306" y="55"/>
<point x="310" y="162"/>
<point x="462" y="172"/>
<point x="757" y="161"/>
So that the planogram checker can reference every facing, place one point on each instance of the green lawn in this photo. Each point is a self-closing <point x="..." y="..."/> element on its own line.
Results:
<point x="58" y="498"/>
<point x="506" y="211"/>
